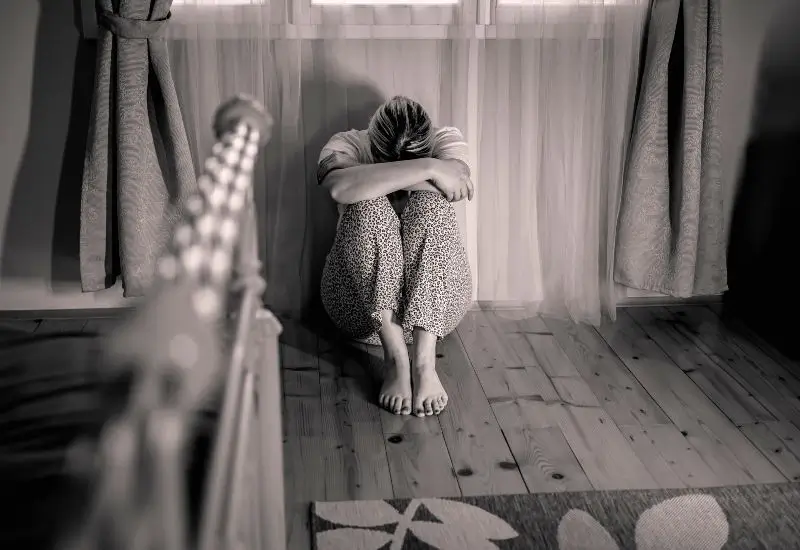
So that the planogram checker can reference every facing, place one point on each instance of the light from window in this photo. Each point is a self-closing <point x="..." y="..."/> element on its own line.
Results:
<point x="384" y="2"/>
<point x="544" y="3"/>
<point x="217" y="2"/>
<point x="321" y="2"/>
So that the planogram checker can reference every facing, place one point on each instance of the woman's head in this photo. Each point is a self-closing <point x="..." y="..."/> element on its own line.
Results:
<point x="400" y="130"/>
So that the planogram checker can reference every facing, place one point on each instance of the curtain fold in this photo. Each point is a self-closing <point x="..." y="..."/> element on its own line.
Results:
<point x="671" y="229"/>
<point x="546" y="111"/>
<point x="313" y="89"/>
<point x="138" y="167"/>
<point x="555" y="111"/>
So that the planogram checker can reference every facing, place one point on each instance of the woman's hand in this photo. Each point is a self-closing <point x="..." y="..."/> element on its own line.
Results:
<point x="451" y="178"/>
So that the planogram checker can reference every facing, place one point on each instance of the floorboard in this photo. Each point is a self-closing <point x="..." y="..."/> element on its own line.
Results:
<point x="664" y="397"/>
<point x="725" y="449"/>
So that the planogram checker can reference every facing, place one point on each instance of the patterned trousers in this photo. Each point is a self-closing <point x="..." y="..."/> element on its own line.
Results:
<point x="414" y="264"/>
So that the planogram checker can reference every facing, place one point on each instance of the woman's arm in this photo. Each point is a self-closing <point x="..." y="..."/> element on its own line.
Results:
<point x="424" y="186"/>
<point x="370" y="181"/>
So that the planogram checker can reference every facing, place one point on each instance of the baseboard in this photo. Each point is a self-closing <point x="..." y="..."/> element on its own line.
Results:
<point x="85" y="313"/>
<point x="106" y="312"/>
<point x="637" y="301"/>
<point x="653" y="301"/>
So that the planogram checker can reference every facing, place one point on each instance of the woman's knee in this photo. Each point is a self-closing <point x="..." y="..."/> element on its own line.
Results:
<point x="371" y="215"/>
<point x="430" y="207"/>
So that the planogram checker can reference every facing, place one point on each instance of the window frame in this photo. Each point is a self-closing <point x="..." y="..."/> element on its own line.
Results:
<point x="357" y="13"/>
<point x="300" y="19"/>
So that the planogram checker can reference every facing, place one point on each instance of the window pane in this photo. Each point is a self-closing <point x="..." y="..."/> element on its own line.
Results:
<point x="383" y="2"/>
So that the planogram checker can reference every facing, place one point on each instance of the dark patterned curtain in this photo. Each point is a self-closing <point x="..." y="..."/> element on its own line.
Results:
<point x="671" y="231"/>
<point x="138" y="165"/>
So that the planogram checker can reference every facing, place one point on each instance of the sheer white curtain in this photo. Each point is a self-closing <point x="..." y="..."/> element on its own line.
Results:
<point x="545" y="99"/>
<point x="313" y="88"/>
<point x="555" y="113"/>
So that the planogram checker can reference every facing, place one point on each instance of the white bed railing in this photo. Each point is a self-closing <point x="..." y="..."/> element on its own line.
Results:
<point x="201" y="340"/>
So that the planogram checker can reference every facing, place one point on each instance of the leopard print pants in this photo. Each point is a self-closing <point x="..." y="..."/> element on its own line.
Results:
<point x="414" y="264"/>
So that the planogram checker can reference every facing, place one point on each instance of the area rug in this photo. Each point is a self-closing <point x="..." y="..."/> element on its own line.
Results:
<point x="747" y="517"/>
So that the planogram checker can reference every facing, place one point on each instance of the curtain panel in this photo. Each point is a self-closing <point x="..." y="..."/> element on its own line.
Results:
<point x="138" y="167"/>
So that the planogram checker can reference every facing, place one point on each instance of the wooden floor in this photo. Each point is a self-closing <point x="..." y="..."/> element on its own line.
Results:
<point x="664" y="397"/>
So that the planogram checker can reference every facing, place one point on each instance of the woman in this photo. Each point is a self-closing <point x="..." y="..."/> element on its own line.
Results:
<point x="398" y="272"/>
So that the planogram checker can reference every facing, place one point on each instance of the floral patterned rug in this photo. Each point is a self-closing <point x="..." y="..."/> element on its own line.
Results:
<point x="732" y="518"/>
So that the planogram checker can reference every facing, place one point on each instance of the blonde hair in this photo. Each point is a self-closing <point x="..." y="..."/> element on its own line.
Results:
<point x="400" y="130"/>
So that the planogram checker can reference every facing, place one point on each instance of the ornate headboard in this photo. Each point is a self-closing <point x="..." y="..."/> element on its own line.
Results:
<point x="200" y="341"/>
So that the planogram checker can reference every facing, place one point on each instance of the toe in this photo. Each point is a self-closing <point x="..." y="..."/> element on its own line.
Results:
<point x="437" y="405"/>
<point x="398" y="404"/>
<point x="428" y="407"/>
<point x="406" y="406"/>
<point x="382" y="400"/>
<point x="392" y="403"/>
<point x="419" y="409"/>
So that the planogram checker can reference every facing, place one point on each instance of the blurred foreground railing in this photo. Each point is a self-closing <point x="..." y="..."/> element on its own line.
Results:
<point x="201" y="341"/>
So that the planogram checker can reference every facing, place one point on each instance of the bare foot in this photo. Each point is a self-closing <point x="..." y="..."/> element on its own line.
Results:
<point x="429" y="395"/>
<point x="395" y="395"/>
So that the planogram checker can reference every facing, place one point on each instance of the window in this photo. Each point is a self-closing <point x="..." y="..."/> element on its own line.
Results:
<point x="217" y="2"/>
<point x="360" y="13"/>
<point x="399" y="19"/>
<point x="556" y="3"/>
<point x="383" y="2"/>
<point x="541" y="18"/>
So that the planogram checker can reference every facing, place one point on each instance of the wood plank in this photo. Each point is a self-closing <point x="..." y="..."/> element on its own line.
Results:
<point x="512" y="335"/>
<point x="706" y="319"/>
<point x="482" y="343"/>
<point x="540" y="449"/>
<point x="774" y="449"/>
<point x="730" y="455"/>
<point x="737" y="326"/>
<point x="481" y="457"/>
<point x="615" y="387"/>
<point x="298" y="345"/>
<point x="683" y="458"/>
<point x="768" y="381"/>
<point x="598" y="444"/>
<point x="60" y="326"/>
<point x="789" y="435"/>
<point x="512" y="382"/>
<point x="645" y="448"/>
<point x="356" y="465"/>
<point x="304" y="471"/>
<point x="574" y="390"/>
<point x="712" y="330"/>
<point x="743" y="372"/>
<point x="516" y="372"/>
<point x="727" y="392"/>
<point x="549" y="354"/>
<point x="601" y="449"/>
<point x="419" y="462"/>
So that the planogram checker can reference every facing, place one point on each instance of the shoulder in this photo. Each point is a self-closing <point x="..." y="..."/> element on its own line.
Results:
<point x="349" y="141"/>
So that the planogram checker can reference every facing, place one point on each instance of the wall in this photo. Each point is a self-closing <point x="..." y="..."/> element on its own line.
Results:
<point x="745" y="26"/>
<point x="44" y="104"/>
